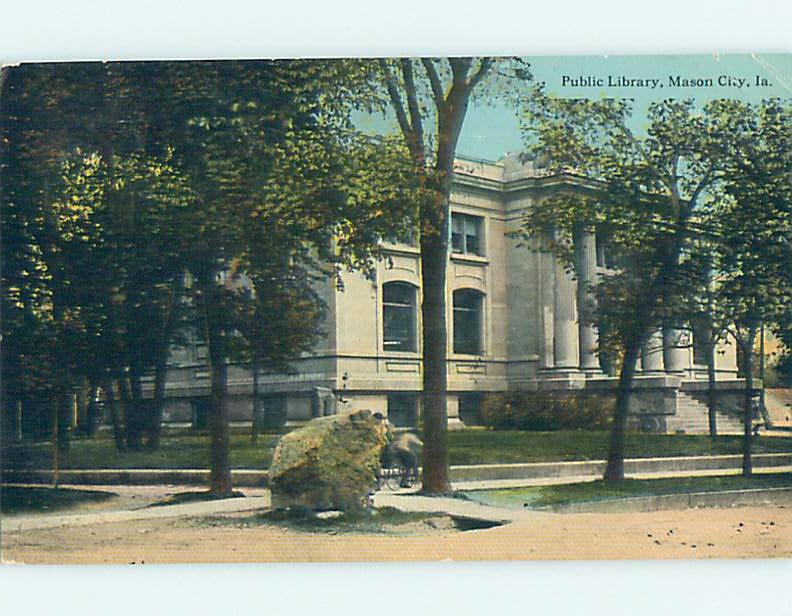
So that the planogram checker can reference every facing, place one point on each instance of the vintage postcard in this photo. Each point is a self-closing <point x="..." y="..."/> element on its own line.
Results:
<point x="397" y="308"/>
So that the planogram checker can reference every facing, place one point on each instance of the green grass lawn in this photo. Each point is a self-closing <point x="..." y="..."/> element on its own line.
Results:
<point x="471" y="446"/>
<point x="479" y="446"/>
<point x="548" y="496"/>
<point x="184" y="451"/>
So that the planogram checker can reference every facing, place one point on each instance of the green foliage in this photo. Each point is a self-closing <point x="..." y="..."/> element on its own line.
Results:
<point x="648" y="196"/>
<point x="780" y="373"/>
<point x="753" y="252"/>
<point x="97" y="217"/>
<point x="664" y="201"/>
<point x="120" y="255"/>
<point x="121" y="177"/>
<point x="543" y="411"/>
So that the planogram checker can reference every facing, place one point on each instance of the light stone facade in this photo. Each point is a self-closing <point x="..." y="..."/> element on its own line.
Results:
<point x="535" y="332"/>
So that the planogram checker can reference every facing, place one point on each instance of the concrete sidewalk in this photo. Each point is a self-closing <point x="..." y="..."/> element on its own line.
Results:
<point x="457" y="507"/>
<point x="494" y="484"/>
<point x="409" y="500"/>
<point x="405" y="500"/>
<point x="187" y="510"/>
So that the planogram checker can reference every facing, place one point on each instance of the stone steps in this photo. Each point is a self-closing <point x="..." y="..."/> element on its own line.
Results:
<point x="692" y="417"/>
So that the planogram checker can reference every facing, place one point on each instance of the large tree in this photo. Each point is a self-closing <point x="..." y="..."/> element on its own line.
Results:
<point x="85" y="165"/>
<point x="38" y="367"/>
<point x="269" y="185"/>
<point x="285" y="193"/>
<point x="753" y="285"/>
<point x="128" y="217"/>
<point x="648" y="194"/>
<point x="430" y="97"/>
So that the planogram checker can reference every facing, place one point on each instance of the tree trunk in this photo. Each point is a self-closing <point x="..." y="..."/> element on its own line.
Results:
<point x="65" y="405"/>
<point x="157" y="403"/>
<point x="747" y="464"/>
<point x="668" y="257"/>
<point x="125" y="397"/>
<point x="161" y="372"/>
<point x="614" y="470"/>
<point x="712" y="392"/>
<point x="762" y="376"/>
<point x="55" y="441"/>
<point x="220" y="479"/>
<point x="92" y="414"/>
<point x="435" y="231"/>
<point x="134" y="411"/>
<point x="255" y="411"/>
<point x="434" y="258"/>
<point x="220" y="484"/>
<point x="434" y="227"/>
<point x="82" y="393"/>
<point x="18" y="435"/>
<point x="115" y="415"/>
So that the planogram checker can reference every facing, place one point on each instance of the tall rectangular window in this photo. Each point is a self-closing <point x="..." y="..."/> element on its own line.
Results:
<point x="398" y="316"/>
<point x="468" y="321"/>
<point x="466" y="234"/>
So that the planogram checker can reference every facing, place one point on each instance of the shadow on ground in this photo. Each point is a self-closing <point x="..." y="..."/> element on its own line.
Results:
<point x="29" y="499"/>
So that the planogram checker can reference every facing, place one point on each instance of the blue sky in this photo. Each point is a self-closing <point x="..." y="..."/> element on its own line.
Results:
<point x="490" y="132"/>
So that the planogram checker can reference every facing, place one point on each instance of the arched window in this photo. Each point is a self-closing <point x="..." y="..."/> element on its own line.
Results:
<point x="398" y="316"/>
<point x="468" y="321"/>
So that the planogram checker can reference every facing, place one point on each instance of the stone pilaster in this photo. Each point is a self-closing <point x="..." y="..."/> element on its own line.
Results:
<point x="675" y="349"/>
<point x="545" y="283"/>
<point x="586" y="262"/>
<point x="565" y="329"/>
<point x="652" y="353"/>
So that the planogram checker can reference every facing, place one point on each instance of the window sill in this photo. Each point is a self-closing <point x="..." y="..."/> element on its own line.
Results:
<point x="406" y="249"/>
<point x="401" y="354"/>
<point x="469" y="258"/>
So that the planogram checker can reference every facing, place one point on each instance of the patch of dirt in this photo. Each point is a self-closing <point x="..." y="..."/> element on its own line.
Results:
<point x="385" y="521"/>
<point x="437" y="524"/>
<point x="746" y="532"/>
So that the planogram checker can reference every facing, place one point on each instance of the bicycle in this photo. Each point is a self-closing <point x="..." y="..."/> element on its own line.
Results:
<point x="395" y="476"/>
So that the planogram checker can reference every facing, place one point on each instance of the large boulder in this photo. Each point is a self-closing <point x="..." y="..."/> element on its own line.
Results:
<point x="330" y="463"/>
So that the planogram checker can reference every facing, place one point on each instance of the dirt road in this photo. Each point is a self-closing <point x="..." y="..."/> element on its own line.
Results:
<point x="749" y="532"/>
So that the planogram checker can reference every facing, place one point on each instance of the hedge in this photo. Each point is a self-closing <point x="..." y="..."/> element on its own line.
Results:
<point x="536" y="410"/>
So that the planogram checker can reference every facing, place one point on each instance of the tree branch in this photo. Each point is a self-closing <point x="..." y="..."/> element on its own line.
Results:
<point x="701" y="185"/>
<point x="393" y="93"/>
<point x="434" y="81"/>
<point x="483" y="69"/>
<point x="652" y="167"/>
<point x="412" y="99"/>
<point x="459" y="73"/>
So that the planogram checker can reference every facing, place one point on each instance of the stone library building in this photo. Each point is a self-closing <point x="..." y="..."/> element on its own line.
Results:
<point x="512" y="321"/>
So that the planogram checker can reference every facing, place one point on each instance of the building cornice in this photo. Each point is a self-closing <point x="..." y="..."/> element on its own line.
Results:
<point x="530" y="183"/>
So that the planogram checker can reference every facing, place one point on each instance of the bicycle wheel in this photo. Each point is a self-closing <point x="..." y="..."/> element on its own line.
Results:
<point x="381" y="476"/>
<point x="393" y="476"/>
